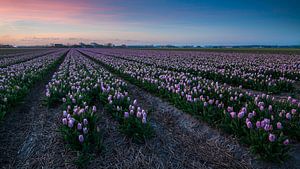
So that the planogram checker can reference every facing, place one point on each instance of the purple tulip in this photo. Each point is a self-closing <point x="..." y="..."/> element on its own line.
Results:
<point x="85" y="122"/>
<point x="258" y="124"/>
<point x="81" y="138"/>
<point x="81" y="111"/>
<point x="126" y="114"/>
<point x="85" y="130"/>
<point x="94" y="109"/>
<point x="268" y="127"/>
<point x="79" y="126"/>
<point x="272" y="137"/>
<point x="249" y="124"/>
<point x="65" y="114"/>
<point x="64" y="121"/>
<point x="241" y="114"/>
<point x="71" y="123"/>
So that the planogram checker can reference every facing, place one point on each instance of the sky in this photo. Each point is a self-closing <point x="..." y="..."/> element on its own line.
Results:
<point x="137" y="22"/>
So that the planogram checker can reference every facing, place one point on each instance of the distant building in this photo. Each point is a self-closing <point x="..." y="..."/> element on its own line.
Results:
<point x="6" y="46"/>
<point x="59" y="45"/>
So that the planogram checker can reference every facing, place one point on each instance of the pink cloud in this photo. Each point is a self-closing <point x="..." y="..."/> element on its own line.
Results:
<point x="52" y="10"/>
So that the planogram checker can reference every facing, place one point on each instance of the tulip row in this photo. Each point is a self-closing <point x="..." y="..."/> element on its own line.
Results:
<point x="23" y="57"/>
<point x="16" y="80"/>
<point x="17" y="53"/>
<point x="258" y="120"/>
<point x="79" y="85"/>
<point x="263" y="73"/>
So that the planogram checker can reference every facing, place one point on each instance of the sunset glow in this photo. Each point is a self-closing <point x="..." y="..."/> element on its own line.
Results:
<point x="31" y="22"/>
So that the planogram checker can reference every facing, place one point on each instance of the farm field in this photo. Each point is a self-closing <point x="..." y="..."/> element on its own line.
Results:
<point x="137" y="108"/>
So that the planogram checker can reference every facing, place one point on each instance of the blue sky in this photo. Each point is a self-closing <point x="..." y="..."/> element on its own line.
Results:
<point x="190" y="22"/>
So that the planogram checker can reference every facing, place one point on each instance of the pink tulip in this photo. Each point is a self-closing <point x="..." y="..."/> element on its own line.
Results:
<point x="230" y="109"/>
<point x="288" y="116"/>
<point x="261" y="108"/>
<point x="293" y="111"/>
<point x="286" y="142"/>
<point x="279" y="125"/>
<point x="233" y="114"/>
<point x="138" y="114"/>
<point x="270" y="108"/>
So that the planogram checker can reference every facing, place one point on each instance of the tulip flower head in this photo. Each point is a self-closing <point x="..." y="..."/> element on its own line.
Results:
<point x="79" y="126"/>
<point x="85" y="130"/>
<point x="258" y="124"/>
<point x="286" y="142"/>
<point x="233" y="114"/>
<point x="249" y="124"/>
<point x="64" y="121"/>
<point x="85" y="122"/>
<point x="94" y="109"/>
<point x="126" y="114"/>
<point x="81" y="138"/>
<point x="279" y="125"/>
<point x="272" y="137"/>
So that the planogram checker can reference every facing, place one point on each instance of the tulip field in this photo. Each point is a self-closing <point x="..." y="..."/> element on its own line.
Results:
<point x="134" y="108"/>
